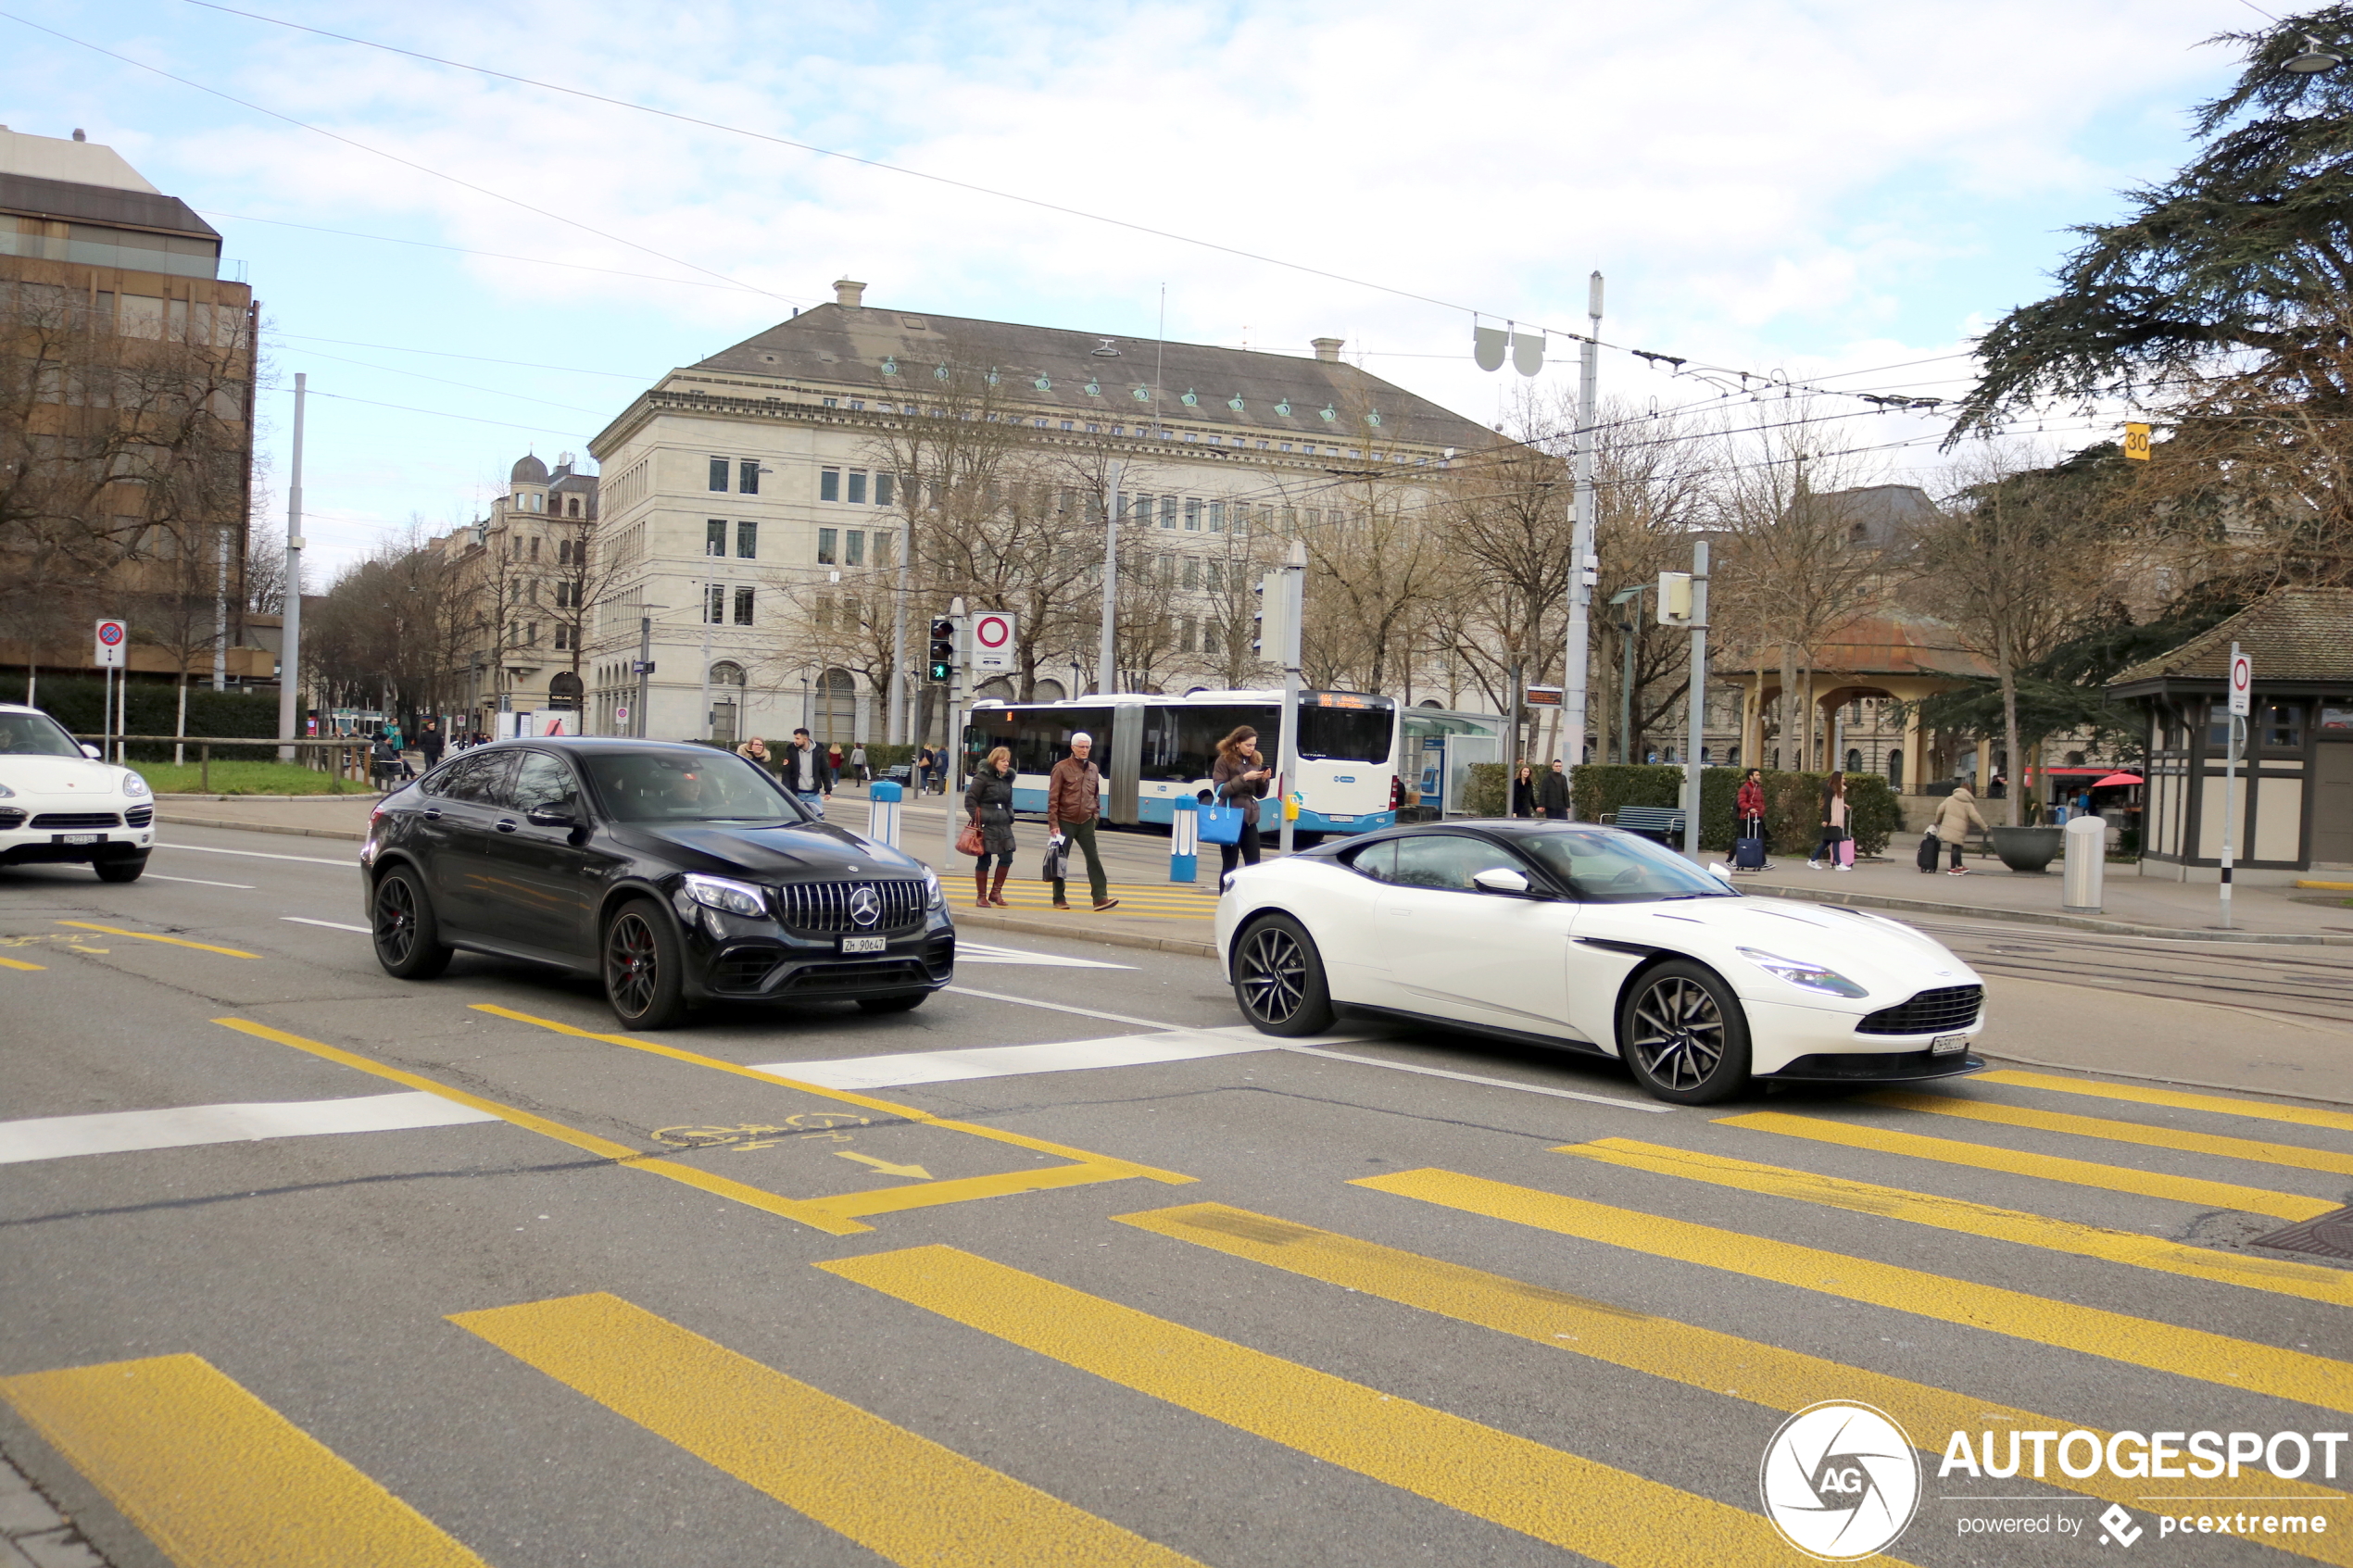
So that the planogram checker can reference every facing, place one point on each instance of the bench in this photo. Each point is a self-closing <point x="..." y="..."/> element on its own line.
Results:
<point x="1666" y="822"/>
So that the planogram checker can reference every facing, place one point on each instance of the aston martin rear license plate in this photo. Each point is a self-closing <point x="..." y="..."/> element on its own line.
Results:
<point x="80" y="838"/>
<point x="1948" y="1044"/>
<point x="864" y="944"/>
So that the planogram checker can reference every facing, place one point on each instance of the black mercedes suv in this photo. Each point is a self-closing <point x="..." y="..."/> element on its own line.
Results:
<point x="677" y="873"/>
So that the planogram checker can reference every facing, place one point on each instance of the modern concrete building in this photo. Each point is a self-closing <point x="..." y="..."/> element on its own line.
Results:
<point x="756" y="504"/>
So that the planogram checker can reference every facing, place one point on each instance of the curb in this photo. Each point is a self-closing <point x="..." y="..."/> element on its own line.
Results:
<point x="177" y="820"/>
<point x="347" y="795"/>
<point x="1033" y="927"/>
<point x="2029" y="917"/>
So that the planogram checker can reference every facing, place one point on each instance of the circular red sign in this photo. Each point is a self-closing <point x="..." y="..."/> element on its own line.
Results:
<point x="110" y="632"/>
<point x="992" y="630"/>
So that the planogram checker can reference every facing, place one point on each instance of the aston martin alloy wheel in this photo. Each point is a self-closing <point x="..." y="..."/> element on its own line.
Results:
<point x="1279" y="979"/>
<point x="1683" y="1032"/>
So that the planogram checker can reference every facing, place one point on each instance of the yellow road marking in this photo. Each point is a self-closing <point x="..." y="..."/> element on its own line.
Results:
<point x="217" y="1478"/>
<point x="2276" y="1275"/>
<point x="622" y="1154"/>
<point x="2294" y="1155"/>
<point x="838" y="1211"/>
<point x="2160" y="1347"/>
<point x="885" y="1166"/>
<point x="144" y="936"/>
<point x="900" y="1495"/>
<point x="16" y="964"/>
<point x="1702" y="1358"/>
<point x="1578" y="1504"/>
<point x="2220" y="1105"/>
<point x="2043" y="1167"/>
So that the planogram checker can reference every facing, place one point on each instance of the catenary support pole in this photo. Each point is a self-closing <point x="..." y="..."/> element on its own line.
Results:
<point x="1580" y="580"/>
<point x="1294" y="607"/>
<point x="1698" y="701"/>
<point x="2229" y="797"/>
<point x="290" y="632"/>
<point x="907" y="500"/>
<point x="951" y="743"/>
<point x="1106" y="665"/>
<point x="645" y="676"/>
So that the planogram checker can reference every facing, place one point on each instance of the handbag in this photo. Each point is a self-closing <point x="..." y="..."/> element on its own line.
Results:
<point x="1221" y="824"/>
<point x="969" y="842"/>
<point x="1057" y="866"/>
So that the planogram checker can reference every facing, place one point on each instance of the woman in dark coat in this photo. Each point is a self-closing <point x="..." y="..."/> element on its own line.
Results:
<point x="989" y="800"/>
<point x="1239" y="777"/>
<point x="1524" y="790"/>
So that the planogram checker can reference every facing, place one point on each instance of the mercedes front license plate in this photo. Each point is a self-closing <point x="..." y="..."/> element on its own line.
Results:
<point x="1948" y="1044"/>
<point x="864" y="944"/>
<point x="80" y="838"/>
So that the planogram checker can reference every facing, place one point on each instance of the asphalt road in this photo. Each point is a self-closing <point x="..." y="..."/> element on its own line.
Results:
<point x="373" y="1272"/>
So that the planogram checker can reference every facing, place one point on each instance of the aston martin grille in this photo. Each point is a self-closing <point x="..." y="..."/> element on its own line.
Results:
<point x="1947" y="1007"/>
<point x="832" y="906"/>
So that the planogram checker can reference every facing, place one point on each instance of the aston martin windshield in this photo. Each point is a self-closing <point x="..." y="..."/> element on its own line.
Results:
<point x="1604" y="866"/>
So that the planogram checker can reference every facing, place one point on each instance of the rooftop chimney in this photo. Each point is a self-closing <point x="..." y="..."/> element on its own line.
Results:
<point x="79" y="134"/>
<point x="849" y="295"/>
<point x="1327" y="348"/>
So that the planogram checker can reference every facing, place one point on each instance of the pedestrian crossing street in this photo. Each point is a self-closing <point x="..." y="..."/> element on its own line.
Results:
<point x="218" y="1478"/>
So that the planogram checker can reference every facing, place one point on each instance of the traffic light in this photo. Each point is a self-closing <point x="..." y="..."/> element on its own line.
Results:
<point x="943" y="646"/>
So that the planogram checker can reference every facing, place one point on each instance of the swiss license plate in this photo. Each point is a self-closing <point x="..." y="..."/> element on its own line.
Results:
<point x="1948" y="1044"/>
<point x="80" y="838"/>
<point x="1336" y="818"/>
<point x="864" y="944"/>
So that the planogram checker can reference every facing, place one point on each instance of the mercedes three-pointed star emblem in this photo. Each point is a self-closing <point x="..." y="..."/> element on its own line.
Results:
<point x="865" y="906"/>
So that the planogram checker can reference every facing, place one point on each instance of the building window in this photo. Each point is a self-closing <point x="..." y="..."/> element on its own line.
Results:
<point x="1185" y="631"/>
<point x="563" y="637"/>
<point x="535" y="547"/>
<point x="1217" y="576"/>
<point x="531" y="634"/>
<point x="743" y="606"/>
<point x="748" y="477"/>
<point x="1218" y="516"/>
<point x="883" y="487"/>
<point x="1192" y="575"/>
<point x="719" y="473"/>
<point x="571" y="506"/>
<point x="1211" y="641"/>
<point x="829" y="484"/>
<point x="854" y="548"/>
<point x="714" y="608"/>
<point x="1168" y="512"/>
<point x="1192" y="514"/>
<point x="747" y="540"/>
<point x="714" y="536"/>
<point x="884" y="543"/>
<point x="857" y="487"/>
<point x="2283" y="725"/>
<point x="828" y="555"/>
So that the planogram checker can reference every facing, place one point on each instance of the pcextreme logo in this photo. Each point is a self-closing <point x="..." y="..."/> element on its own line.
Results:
<point x="1840" y="1481"/>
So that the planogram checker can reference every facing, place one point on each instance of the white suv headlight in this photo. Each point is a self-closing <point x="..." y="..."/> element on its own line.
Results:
<point x="1798" y="972"/>
<point x="729" y="897"/>
<point x="133" y="785"/>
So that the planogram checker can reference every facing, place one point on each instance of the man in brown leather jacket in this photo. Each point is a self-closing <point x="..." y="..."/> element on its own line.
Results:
<point x="1074" y="798"/>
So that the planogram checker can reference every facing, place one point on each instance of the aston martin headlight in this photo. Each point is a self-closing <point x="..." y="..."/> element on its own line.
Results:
<point x="133" y="785"/>
<point x="6" y="794"/>
<point x="728" y="898"/>
<point x="935" y="896"/>
<point x="1797" y="972"/>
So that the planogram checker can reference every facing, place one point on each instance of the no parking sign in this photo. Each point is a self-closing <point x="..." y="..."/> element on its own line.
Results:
<point x="993" y="640"/>
<point x="113" y="636"/>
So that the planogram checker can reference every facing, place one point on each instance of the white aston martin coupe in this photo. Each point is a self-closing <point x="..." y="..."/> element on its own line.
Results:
<point x="1602" y="941"/>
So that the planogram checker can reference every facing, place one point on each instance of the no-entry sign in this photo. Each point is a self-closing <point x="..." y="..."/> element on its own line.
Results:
<point x="2242" y="683"/>
<point x="113" y="636"/>
<point x="993" y="640"/>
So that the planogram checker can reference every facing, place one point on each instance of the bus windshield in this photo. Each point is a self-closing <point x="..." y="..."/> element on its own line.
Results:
<point x="1345" y="734"/>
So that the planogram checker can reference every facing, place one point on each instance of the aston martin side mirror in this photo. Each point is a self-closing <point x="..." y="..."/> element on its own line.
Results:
<point x="1499" y="879"/>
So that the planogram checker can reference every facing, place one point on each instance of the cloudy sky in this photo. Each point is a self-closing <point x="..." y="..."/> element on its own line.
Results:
<point x="1817" y="189"/>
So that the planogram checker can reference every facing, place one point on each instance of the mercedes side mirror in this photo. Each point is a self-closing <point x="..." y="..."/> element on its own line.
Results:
<point x="548" y="817"/>
<point x="1499" y="879"/>
<point x="93" y="753"/>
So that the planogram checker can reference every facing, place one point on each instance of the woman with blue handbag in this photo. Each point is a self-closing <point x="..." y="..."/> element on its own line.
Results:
<point x="1238" y="781"/>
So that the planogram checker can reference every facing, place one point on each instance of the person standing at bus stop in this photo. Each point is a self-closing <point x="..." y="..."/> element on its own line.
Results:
<point x="1074" y="799"/>
<point x="1551" y="793"/>
<point x="1238" y="778"/>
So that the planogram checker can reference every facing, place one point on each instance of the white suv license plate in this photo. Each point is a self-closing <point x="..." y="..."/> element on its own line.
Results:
<point x="80" y="838"/>
<point x="1948" y="1044"/>
<point x="864" y="944"/>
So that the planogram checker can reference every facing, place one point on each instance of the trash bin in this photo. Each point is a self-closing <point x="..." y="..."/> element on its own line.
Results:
<point x="2086" y="861"/>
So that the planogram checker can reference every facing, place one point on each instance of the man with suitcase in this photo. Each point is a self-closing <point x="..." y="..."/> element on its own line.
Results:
<point x="1748" y="844"/>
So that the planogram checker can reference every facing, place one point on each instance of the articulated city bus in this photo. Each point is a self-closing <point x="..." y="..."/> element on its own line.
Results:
<point x="1153" y="749"/>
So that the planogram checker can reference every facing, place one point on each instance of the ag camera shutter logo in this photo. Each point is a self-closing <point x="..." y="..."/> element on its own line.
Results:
<point x="1840" y="1481"/>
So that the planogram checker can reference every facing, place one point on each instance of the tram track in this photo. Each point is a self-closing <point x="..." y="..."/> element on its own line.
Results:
<point x="2298" y="985"/>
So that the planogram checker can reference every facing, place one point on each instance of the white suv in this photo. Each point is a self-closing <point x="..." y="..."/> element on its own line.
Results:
<point x="60" y="803"/>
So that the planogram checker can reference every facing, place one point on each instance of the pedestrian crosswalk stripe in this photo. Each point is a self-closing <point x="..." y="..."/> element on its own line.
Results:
<point x="1578" y="1504"/>
<point x="1702" y="1358"/>
<point x="2220" y="1105"/>
<point x="2041" y="1167"/>
<point x="217" y="1478"/>
<point x="2281" y="1277"/>
<point x="2160" y="1347"/>
<point x="895" y="1492"/>
<point x="2295" y="1155"/>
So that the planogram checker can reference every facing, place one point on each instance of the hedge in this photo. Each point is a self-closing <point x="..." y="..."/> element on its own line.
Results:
<point x="1484" y="795"/>
<point x="79" y="703"/>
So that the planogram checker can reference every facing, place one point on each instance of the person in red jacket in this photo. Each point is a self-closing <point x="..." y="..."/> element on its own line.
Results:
<point x="1749" y="805"/>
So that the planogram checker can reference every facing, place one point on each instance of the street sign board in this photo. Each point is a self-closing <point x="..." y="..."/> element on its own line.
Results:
<point x="2136" y="443"/>
<point x="641" y="666"/>
<point x="620" y="713"/>
<point x="113" y="637"/>
<point x="2242" y="683"/>
<point x="1541" y="697"/>
<point x="992" y="643"/>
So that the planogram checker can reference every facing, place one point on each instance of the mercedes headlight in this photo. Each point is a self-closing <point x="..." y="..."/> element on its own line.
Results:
<point x="1797" y="972"/>
<point x="133" y="785"/>
<point x="728" y="898"/>
<point x="935" y="896"/>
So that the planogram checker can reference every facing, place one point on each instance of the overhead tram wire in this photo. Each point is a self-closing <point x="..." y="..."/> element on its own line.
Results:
<point x="394" y="158"/>
<point x="444" y="414"/>
<point x="464" y="386"/>
<point x="1684" y="364"/>
<point x="493" y="255"/>
<point x="446" y="354"/>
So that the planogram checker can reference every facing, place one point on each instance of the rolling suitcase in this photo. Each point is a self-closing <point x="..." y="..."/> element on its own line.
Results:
<point x="1846" y="852"/>
<point x="1928" y="853"/>
<point x="1748" y="854"/>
